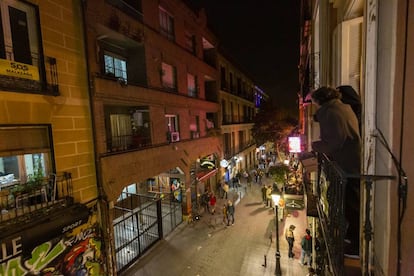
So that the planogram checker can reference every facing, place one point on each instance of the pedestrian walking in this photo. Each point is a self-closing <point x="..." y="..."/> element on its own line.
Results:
<point x="224" y="211"/>
<point x="205" y="200"/>
<point x="249" y="180"/>
<point x="230" y="213"/>
<point x="225" y="190"/>
<point x="213" y="201"/>
<point x="264" y="189"/>
<point x="269" y="196"/>
<point x="290" y="238"/>
<point x="306" y="252"/>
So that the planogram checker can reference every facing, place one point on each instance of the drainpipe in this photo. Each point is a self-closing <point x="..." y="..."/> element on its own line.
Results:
<point x="102" y="202"/>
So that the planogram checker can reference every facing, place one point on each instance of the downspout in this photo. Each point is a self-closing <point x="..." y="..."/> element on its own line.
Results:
<point x="102" y="202"/>
<point x="402" y="178"/>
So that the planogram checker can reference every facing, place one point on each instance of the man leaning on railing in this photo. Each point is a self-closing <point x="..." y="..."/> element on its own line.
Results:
<point x="340" y="140"/>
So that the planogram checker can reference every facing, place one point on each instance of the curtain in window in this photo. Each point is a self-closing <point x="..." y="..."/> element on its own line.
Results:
<point x="168" y="75"/>
<point x="121" y="130"/>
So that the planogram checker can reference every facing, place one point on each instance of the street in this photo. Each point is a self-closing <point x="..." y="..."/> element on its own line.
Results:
<point x="208" y="247"/>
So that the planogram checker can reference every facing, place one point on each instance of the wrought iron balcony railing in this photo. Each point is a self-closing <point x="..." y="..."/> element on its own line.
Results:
<point x="21" y="201"/>
<point x="330" y="202"/>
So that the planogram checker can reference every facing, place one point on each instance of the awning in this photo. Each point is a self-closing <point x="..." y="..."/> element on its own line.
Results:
<point x="205" y="174"/>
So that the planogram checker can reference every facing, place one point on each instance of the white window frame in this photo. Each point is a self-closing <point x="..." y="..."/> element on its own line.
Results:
<point x="116" y="65"/>
<point x="32" y="28"/>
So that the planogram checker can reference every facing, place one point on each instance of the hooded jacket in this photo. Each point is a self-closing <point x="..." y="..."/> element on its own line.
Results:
<point x="339" y="135"/>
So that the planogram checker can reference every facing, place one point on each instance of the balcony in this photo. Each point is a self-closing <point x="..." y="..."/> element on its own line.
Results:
<point x="25" y="202"/>
<point x="326" y="203"/>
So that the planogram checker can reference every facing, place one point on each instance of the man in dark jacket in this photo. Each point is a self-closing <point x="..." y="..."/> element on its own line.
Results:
<point x="306" y="253"/>
<point x="340" y="140"/>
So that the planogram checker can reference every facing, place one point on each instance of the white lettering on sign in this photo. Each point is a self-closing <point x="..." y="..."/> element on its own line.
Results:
<point x="70" y="227"/>
<point x="15" y="246"/>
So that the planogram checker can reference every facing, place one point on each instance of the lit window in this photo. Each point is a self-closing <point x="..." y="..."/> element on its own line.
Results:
<point x="168" y="76"/>
<point x="25" y="153"/>
<point x="115" y="66"/>
<point x="173" y="134"/>
<point x="172" y="123"/>
<point x="121" y="131"/>
<point x="192" y="85"/>
<point x="166" y="24"/>
<point x="127" y="191"/>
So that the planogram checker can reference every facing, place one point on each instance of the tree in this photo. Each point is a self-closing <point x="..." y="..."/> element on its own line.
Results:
<point x="279" y="173"/>
<point x="273" y="125"/>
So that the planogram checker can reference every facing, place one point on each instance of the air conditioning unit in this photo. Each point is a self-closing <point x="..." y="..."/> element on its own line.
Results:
<point x="175" y="136"/>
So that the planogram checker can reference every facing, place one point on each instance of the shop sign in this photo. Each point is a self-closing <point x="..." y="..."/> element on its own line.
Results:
<point x="294" y="144"/>
<point x="224" y="163"/>
<point x="17" y="69"/>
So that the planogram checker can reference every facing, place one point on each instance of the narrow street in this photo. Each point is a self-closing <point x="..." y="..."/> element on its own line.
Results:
<point x="208" y="247"/>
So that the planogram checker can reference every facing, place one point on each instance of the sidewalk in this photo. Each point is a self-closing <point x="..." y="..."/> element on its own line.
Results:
<point x="208" y="247"/>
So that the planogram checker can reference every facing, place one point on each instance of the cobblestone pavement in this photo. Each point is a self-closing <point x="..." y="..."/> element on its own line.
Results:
<point x="209" y="248"/>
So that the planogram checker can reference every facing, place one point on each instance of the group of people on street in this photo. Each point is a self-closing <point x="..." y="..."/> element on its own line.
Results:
<point x="305" y="243"/>
<point x="208" y="201"/>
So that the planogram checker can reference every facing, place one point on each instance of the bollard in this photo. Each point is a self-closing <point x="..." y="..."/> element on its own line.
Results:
<point x="265" y="262"/>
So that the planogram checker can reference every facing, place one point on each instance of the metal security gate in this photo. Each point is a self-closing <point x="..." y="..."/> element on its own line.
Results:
<point x="139" y="222"/>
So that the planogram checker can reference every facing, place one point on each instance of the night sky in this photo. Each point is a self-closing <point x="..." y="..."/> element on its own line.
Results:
<point x="263" y="37"/>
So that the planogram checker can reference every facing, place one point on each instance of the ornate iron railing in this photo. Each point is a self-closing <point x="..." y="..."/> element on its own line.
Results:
<point x="22" y="201"/>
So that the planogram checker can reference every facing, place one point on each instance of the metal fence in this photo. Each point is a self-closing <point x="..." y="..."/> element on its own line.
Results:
<point x="140" y="222"/>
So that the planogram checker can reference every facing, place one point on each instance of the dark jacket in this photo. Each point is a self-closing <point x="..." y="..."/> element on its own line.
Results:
<point x="307" y="243"/>
<point x="230" y="209"/>
<point x="339" y="135"/>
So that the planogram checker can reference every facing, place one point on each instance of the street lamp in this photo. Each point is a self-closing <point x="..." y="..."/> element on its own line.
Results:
<point x="276" y="198"/>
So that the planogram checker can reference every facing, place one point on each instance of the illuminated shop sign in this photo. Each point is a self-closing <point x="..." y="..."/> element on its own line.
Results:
<point x="294" y="144"/>
<point x="208" y="162"/>
<point x="20" y="70"/>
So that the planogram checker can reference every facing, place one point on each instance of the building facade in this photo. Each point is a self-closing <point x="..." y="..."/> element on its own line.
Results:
<point x="154" y="92"/>
<point x="237" y="100"/>
<point x="365" y="44"/>
<point x="47" y="169"/>
<point x="114" y="120"/>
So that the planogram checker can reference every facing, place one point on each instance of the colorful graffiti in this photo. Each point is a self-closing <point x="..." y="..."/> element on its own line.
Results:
<point x="78" y="252"/>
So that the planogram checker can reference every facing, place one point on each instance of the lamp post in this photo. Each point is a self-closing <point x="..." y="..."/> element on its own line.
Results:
<point x="276" y="198"/>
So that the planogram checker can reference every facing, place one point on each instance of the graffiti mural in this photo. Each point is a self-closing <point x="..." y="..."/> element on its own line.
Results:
<point x="79" y="251"/>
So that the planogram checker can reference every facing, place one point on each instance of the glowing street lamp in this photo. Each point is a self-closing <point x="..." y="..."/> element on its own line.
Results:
<point x="276" y="198"/>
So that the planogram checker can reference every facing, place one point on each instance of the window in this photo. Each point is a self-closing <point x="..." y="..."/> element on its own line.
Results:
<point x="121" y="131"/>
<point x="172" y="123"/>
<point x="127" y="127"/>
<point x="190" y="42"/>
<point x="192" y="85"/>
<point x="115" y="66"/>
<point x="173" y="134"/>
<point x="19" y="39"/>
<point x="20" y="54"/>
<point x="223" y="82"/>
<point x="127" y="191"/>
<point x="166" y="24"/>
<point x="168" y="77"/>
<point x="25" y="153"/>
